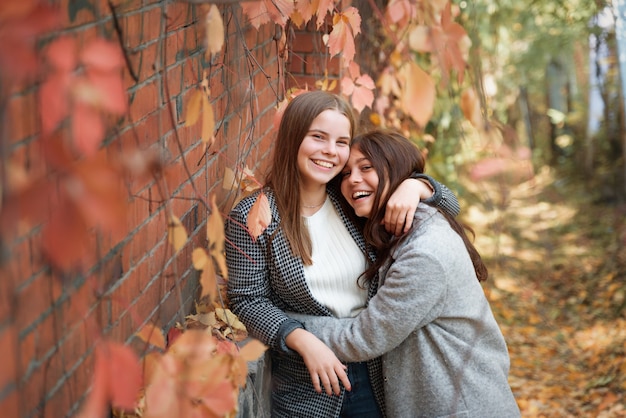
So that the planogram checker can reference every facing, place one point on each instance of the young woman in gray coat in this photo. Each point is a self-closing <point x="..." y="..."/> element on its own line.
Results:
<point x="443" y="352"/>
<point x="308" y="259"/>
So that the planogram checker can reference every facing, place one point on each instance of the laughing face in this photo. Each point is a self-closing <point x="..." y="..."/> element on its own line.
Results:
<point x="325" y="149"/>
<point x="359" y="183"/>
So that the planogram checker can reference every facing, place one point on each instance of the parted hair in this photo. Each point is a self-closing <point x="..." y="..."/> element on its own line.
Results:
<point x="284" y="177"/>
<point x="394" y="158"/>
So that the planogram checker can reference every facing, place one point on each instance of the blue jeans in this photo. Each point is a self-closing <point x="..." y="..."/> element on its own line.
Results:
<point x="360" y="402"/>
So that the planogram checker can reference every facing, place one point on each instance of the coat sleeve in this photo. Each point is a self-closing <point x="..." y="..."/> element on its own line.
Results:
<point x="443" y="197"/>
<point x="249" y="291"/>
<point x="413" y="294"/>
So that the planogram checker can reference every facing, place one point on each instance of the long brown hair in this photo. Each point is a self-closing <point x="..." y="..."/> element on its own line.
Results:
<point x="394" y="158"/>
<point x="284" y="176"/>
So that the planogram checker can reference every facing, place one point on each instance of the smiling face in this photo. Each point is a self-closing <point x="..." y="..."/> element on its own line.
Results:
<point x="324" y="149"/>
<point x="359" y="183"/>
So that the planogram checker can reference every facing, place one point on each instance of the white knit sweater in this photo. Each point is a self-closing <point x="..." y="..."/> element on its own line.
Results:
<point x="337" y="264"/>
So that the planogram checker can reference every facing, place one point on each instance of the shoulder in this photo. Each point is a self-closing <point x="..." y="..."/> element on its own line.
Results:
<point x="431" y="232"/>
<point x="242" y="209"/>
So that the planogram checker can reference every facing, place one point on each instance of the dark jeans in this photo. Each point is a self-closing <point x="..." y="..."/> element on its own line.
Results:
<point x="360" y="401"/>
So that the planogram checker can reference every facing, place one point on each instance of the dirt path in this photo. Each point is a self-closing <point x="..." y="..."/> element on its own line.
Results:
<point x="557" y="286"/>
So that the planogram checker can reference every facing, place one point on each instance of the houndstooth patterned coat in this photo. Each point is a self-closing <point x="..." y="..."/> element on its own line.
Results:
<point x="265" y="281"/>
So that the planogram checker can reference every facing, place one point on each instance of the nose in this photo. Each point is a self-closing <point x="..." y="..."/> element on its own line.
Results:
<point x="354" y="177"/>
<point x="331" y="148"/>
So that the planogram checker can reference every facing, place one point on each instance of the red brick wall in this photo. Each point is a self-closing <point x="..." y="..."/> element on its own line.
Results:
<point x="47" y="319"/>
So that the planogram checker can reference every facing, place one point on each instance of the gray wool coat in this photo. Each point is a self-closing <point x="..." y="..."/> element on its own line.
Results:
<point x="443" y="352"/>
<point x="266" y="280"/>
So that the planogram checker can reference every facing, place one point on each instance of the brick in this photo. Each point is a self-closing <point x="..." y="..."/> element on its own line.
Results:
<point x="141" y="27"/>
<point x="10" y="404"/>
<point x="32" y="301"/>
<point x="8" y="351"/>
<point x="23" y="112"/>
<point x="142" y="100"/>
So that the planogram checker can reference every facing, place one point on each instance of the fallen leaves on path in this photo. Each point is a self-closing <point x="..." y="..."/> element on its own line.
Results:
<point x="557" y="284"/>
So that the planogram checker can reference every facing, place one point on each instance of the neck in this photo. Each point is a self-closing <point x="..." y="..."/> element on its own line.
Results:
<point x="312" y="199"/>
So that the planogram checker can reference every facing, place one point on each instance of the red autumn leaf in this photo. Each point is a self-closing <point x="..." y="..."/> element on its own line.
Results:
<point x="53" y="102"/>
<point x="322" y="8"/>
<point x="358" y="87"/>
<point x="65" y="237"/>
<point x="117" y="379"/>
<point x="109" y="91"/>
<point x="263" y="11"/>
<point x="303" y="12"/>
<point x="87" y="128"/>
<point x="102" y="55"/>
<point x="446" y="41"/>
<point x="61" y="54"/>
<point x="96" y="188"/>
<point x="260" y="216"/>
<point x="346" y="25"/>
<point x="219" y="397"/>
<point x="418" y="93"/>
<point x="172" y="335"/>
<point x="21" y="22"/>
<point x="401" y="13"/>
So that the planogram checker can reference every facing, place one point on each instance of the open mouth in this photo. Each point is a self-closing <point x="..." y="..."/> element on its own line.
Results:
<point x="324" y="164"/>
<point x="360" y="194"/>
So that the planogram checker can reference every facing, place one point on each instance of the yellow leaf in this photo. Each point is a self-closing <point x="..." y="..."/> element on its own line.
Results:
<point x="193" y="108"/>
<point x="199" y="258"/>
<point x="252" y="350"/>
<point x="152" y="335"/>
<point x="208" y="121"/>
<point x="214" y="30"/>
<point x="215" y="236"/>
<point x="176" y="233"/>
<point x="229" y="318"/>
<point x="208" y="281"/>
<point x="260" y="216"/>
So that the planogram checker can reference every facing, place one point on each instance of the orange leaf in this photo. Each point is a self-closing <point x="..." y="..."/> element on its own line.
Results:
<point x="418" y="94"/>
<point x="194" y="105"/>
<point x="260" y="216"/>
<point x="199" y="258"/>
<point x="153" y="335"/>
<point x="208" y="121"/>
<point x="470" y="105"/>
<point x="215" y="236"/>
<point x="214" y="27"/>
<point x="346" y="26"/>
<point x="176" y="233"/>
<point x="252" y="350"/>
<point x="208" y="281"/>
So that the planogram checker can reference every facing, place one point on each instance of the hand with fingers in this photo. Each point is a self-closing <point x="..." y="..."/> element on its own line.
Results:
<point x="403" y="203"/>
<point x="325" y="368"/>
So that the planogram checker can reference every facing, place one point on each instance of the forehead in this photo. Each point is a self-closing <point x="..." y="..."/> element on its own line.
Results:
<point x="332" y="120"/>
<point x="356" y="155"/>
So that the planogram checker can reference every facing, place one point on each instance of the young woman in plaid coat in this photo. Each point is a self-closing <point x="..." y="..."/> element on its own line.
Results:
<point x="310" y="256"/>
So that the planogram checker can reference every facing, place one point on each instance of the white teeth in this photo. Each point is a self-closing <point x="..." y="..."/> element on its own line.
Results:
<point x="359" y="194"/>
<point x="323" y="163"/>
